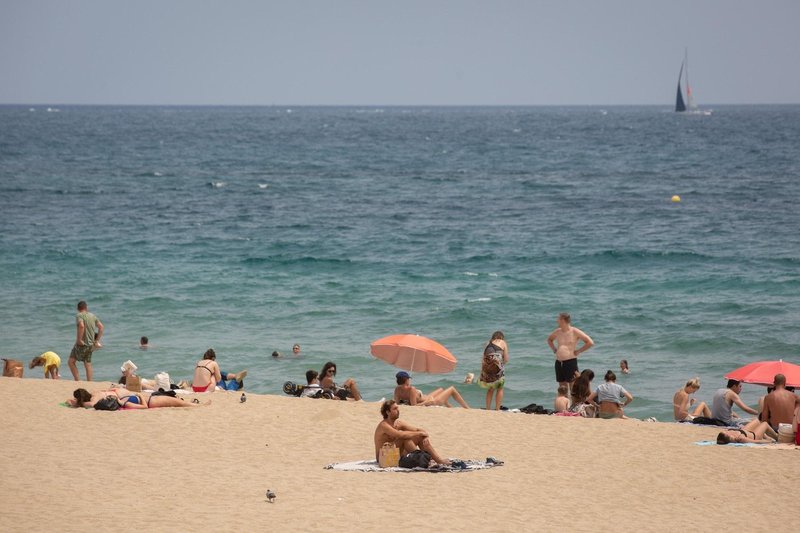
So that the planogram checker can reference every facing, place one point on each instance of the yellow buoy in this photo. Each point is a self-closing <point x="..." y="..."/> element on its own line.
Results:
<point x="676" y="198"/>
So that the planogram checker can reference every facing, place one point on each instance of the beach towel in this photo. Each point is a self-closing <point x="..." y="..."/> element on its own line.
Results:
<point x="765" y="446"/>
<point x="372" y="466"/>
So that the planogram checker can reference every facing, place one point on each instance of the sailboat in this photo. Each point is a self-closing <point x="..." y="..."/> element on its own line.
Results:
<point x="688" y="106"/>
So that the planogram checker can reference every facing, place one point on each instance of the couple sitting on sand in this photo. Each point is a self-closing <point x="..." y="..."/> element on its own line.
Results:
<point x="405" y="393"/>
<point x="322" y="385"/>
<point x="608" y="401"/>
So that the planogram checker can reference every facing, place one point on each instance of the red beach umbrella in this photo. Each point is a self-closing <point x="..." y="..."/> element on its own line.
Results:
<point x="763" y="373"/>
<point x="414" y="353"/>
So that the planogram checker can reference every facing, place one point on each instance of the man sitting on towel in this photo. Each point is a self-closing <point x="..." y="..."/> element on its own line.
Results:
<point x="406" y="437"/>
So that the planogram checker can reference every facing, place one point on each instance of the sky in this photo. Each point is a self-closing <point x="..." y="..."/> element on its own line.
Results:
<point x="400" y="52"/>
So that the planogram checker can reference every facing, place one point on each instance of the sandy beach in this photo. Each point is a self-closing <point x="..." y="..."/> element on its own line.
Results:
<point x="208" y="468"/>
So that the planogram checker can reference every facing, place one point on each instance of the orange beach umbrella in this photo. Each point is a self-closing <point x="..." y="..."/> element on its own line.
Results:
<point x="414" y="353"/>
<point x="763" y="373"/>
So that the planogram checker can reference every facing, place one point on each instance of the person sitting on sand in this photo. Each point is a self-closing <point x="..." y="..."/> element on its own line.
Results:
<point x="349" y="389"/>
<point x="681" y="403"/>
<point x="722" y="403"/>
<point x="613" y="398"/>
<point x="127" y="399"/>
<point x="208" y="376"/>
<point x="312" y="388"/>
<point x="408" y="394"/>
<point x="580" y="392"/>
<point x="779" y="405"/>
<point x="561" y="404"/>
<point x="752" y="432"/>
<point x="51" y="363"/>
<point x="406" y="437"/>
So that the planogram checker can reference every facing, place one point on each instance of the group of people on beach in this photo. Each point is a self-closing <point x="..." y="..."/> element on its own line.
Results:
<point x="575" y="395"/>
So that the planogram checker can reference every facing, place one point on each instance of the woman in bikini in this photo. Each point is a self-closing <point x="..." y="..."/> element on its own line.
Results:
<point x="206" y="372"/>
<point x="753" y="432"/>
<point x="207" y="375"/>
<point x="127" y="399"/>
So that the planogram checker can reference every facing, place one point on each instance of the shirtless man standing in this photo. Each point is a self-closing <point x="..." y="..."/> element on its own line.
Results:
<point x="567" y="351"/>
<point x="406" y="437"/>
<point x="681" y="403"/>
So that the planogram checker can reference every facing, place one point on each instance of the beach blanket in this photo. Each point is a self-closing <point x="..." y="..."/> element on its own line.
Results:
<point x="372" y="466"/>
<point x="771" y="446"/>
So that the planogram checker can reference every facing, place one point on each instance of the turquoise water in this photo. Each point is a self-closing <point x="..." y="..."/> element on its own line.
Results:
<point x="249" y="229"/>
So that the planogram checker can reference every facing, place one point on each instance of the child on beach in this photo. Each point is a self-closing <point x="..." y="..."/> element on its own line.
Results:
<point x="561" y="405"/>
<point x="51" y="363"/>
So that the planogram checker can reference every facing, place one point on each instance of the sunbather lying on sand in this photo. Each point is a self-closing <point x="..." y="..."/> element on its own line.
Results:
<point x="754" y="432"/>
<point x="406" y="393"/>
<point x="128" y="399"/>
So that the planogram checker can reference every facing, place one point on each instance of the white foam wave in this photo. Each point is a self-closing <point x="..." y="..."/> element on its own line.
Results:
<point x="473" y="300"/>
<point x="468" y="273"/>
<point x="218" y="184"/>
<point x="263" y="185"/>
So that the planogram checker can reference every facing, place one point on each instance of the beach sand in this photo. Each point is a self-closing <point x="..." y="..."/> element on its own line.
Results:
<point x="208" y="468"/>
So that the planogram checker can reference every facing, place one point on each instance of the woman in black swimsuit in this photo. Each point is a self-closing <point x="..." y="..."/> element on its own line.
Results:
<point x="753" y="432"/>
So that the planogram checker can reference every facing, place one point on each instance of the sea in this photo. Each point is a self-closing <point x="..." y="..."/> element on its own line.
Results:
<point x="249" y="229"/>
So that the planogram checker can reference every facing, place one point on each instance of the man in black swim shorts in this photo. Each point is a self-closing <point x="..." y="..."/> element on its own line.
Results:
<point x="564" y="343"/>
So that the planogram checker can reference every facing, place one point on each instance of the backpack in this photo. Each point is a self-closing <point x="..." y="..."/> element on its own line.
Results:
<point x="109" y="403"/>
<point x="491" y="359"/>
<point x="415" y="459"/>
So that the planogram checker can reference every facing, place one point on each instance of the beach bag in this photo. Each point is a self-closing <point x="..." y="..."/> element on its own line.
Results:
<point x="12" y="368"/>
<point x="161" y="392"/>
<point x="389" y="456"/>
<point x="162" y="381"/>
<point x="133" y="383"/>
<point x="705" y="421"/>
<point x="415" y="459"/>
<point x="109" y="403"/>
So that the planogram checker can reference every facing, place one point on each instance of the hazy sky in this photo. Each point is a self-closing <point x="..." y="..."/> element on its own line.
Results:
<point x="401" y="52"/>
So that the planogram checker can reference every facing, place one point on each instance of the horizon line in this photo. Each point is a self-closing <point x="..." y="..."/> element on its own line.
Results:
<point x="704" y="106"/>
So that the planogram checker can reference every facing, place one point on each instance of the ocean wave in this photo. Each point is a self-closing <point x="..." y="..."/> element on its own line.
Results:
<point x="648" y="254"/>
<point x="475" y="300"/>
<point x="305" y="260"/>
